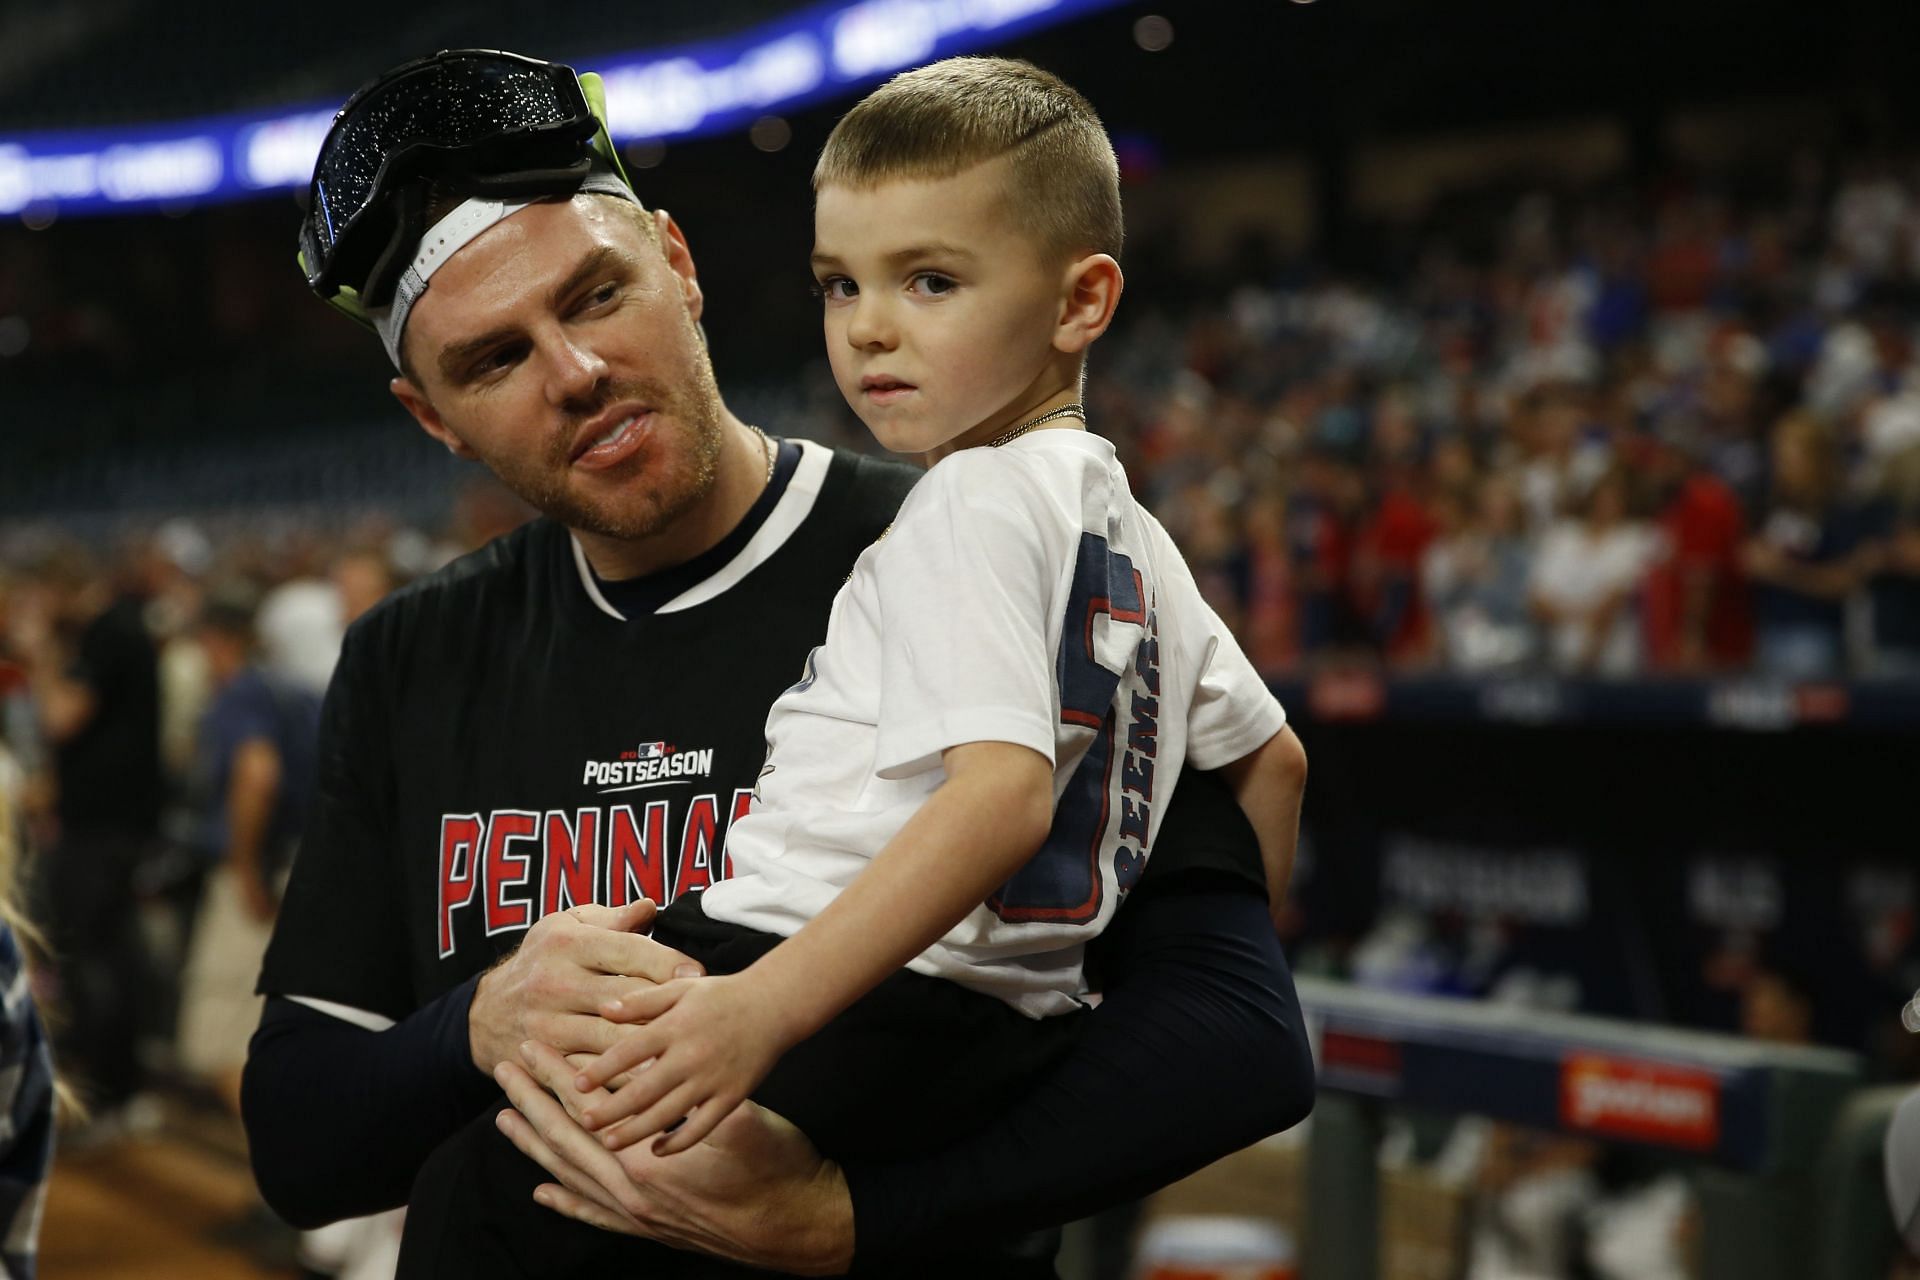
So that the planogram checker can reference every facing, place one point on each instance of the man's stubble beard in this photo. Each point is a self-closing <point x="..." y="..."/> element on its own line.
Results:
<point x="693" y="411"/>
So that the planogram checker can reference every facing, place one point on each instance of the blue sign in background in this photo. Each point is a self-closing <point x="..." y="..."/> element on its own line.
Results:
<point x="679" y="92"/>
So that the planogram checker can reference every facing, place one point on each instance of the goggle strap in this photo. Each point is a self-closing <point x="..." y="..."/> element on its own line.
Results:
<point x="594" y="89"/>
<point x="409" y="222"/>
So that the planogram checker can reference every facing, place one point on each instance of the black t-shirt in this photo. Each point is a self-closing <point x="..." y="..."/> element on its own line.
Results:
<point x="1896" y="595"/>
<point x="109" y="772"/>
<point x="1815" y="540"/>
<point x="499" y="743"/>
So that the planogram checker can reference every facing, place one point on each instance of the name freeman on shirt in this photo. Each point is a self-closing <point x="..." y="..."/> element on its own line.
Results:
<point x="1136" y="766"/>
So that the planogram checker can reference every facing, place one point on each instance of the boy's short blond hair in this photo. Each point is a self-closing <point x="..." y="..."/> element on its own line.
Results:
<point x="940" y="119"/>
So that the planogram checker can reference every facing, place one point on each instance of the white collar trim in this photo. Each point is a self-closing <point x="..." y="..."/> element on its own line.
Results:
<point x="788" y="514"/>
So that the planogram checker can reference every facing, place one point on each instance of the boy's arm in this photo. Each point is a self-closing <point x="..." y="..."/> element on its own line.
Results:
<point x="1269" y="783"/>
<point x="713" y="1040"/>
<point x="980" y="826"/>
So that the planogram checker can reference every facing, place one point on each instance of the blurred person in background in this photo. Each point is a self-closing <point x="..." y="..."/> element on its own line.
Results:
<point x="26" y="1066"/>
<point x="1393" y="536"/>
<point x="1271" y="619"/>
<point x="1894" y="588"/>
<point x="1586" y="582"/>
<point x="250" y="785"/>
<point x="363" y="578"/>
<point x="1559" y="463"/>
<point x="1320" y="532"/>
<point x="1478" y="578"/>
<point x="253" y="780"/>
<point x="1805" y="558"/>
<point x="301" y="623"/>
<point x="1698" y="617"/>
<point x="92" y="671"/>
<point x="1532" y="1195"/>
<point x="20" y="726"/>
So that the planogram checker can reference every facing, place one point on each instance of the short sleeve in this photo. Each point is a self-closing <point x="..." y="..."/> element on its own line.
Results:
<point x="341" y="934"/>
<point x="243" y="713"/>
<point x="966" y="585"/>
<point x="1233" y="713"/>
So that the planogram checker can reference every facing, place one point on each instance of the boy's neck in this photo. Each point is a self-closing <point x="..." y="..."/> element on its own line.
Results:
<point x="1009" y="424"/>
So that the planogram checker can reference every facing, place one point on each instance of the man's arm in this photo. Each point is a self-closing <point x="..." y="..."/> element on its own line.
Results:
<point x="1204" y="1008"/>
<point x="341" y="1115"/>
<point x="252" y="787"/>
<point x="1198" y="1004"/>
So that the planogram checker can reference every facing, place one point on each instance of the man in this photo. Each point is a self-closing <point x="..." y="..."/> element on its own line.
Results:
<point x="93" y="677"/>
<point x="252" y="779"/>
<point x="521" y="754"/>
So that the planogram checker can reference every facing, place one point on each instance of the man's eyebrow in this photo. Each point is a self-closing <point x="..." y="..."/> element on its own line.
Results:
<point x="456" y="356"/>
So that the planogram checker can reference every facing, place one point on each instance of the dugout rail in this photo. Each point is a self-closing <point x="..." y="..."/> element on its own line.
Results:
<point x="1753" y="1119"/>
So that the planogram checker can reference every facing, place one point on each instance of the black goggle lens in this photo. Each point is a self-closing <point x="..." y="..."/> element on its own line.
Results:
<point x="447" y="104"/>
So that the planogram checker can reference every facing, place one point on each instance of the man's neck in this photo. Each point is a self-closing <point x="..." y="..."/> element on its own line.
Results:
<point x="740" y="477"/>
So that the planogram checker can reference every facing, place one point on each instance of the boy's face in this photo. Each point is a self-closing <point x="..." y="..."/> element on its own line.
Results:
<point x="940" y="311"/>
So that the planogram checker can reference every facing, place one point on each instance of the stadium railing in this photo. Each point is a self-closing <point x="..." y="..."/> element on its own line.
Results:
<point x="1736" y="701"/>
<point x="1753" y="1118"/>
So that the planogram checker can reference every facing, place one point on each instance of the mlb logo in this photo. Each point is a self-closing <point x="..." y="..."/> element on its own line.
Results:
<point x="651" y="751"/>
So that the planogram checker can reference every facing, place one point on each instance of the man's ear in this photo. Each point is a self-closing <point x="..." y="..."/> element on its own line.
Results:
<point x="415" y="401"/>
<point x="1091" y="293"/>
<point x="673" y="243"/>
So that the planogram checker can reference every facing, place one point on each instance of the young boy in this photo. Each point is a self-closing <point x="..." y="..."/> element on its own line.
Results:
<point x="970" y="773"/>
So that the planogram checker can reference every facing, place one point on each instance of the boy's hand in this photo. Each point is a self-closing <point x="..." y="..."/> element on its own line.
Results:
<point x="707" y="1043"/>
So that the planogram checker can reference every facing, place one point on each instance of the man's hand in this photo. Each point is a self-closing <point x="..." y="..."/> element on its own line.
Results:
<point x="706" y="1044"/>
<point x="756" y="1191"/>
<point x="552" y="987"/>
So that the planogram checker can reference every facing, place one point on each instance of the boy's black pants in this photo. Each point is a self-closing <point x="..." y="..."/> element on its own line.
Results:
<point x="910" y="1067"/>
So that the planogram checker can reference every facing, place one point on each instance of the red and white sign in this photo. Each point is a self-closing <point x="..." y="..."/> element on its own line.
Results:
<point x="1609" y="1097"/>
<point x="1347" y="695"/>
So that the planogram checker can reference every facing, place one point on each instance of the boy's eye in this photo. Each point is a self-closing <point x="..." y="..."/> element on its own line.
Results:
<point x="836" y="289"/>
<point x="934" y="283"/>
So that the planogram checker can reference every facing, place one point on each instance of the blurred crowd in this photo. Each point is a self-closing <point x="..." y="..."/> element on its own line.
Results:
<point x="159" y="706"/>
<point x="1647" y="427"/>
<point x="1654" y="428"/>
<point x="1672" y="429"/>
<point x="1667" y="428"/>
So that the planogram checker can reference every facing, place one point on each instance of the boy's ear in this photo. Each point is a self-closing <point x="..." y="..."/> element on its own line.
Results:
<point x="1093" y="286"/>
<point x="416" y="403"/>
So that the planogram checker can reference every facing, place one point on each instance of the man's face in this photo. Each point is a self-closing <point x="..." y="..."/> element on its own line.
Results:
<point x="940" y="312"/>
<point x="560" y="348"/>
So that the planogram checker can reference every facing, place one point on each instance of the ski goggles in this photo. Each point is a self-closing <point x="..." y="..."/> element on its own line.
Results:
<point x="477" y="123"/>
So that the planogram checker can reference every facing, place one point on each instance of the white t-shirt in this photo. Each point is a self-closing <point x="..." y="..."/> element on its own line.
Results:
<point x="1576" y="572"/>
<point x="1021" y="596"/>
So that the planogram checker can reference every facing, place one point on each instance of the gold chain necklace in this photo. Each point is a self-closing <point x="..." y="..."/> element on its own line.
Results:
<point x="766" y="447"/>
<point x="1074" y="410"/>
